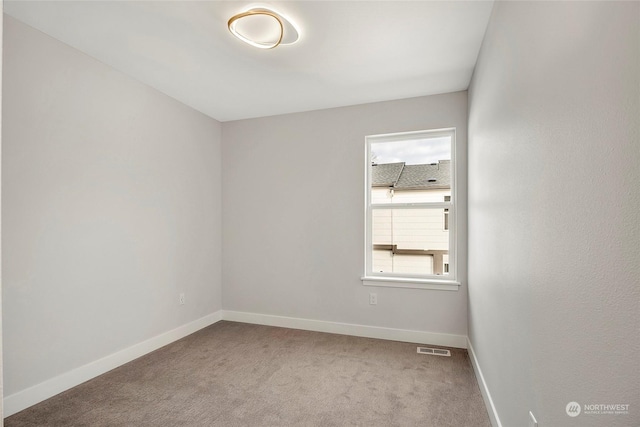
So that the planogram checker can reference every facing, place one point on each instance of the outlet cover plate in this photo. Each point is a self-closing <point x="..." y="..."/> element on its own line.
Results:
<point x="373" y="299"/>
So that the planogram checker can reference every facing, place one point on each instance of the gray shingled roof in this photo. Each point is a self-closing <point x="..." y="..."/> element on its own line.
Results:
<point x="412" y="177"/>
<point x="387" y="174"/>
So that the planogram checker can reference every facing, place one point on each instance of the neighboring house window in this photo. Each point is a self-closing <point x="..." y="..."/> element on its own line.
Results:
<point x="409" y="190"/>
<point x="445" y="225"/>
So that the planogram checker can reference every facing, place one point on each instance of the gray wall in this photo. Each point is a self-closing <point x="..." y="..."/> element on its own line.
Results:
<point x="554" y="158"/>
<point x="110" y="208"/>
<point x="293" y="215"/>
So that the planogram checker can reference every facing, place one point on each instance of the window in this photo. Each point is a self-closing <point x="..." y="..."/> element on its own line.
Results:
<point x="445" y="225"/>
<point x="410" y="207"/>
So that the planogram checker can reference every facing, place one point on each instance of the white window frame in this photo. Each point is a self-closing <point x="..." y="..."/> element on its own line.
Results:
<point x="401" y="280"/>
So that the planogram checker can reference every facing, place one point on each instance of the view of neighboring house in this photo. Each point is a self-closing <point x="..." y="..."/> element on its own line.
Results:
<point x="411" y="240"/>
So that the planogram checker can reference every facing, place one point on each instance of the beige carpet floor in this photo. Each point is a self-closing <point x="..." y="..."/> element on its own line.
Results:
<point x="235" y="374"/>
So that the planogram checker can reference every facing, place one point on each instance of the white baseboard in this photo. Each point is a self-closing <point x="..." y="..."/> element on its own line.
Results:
<point x="419" y="337"/>
<point x="486" y="395"/>
<point x="39" y="392"/>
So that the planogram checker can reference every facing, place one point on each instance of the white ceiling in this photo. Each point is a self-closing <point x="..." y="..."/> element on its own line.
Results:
<point x="351" y="52"/>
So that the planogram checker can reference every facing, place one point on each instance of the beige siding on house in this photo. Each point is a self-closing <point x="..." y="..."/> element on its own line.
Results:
<point x="410" y="229"/>
<point x="386" y="262"/>
<point x="384" y="195"/>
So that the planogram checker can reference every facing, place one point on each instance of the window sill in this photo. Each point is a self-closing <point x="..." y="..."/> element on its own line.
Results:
<point x="400" y="282"/>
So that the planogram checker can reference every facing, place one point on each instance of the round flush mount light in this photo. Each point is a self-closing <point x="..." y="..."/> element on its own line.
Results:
<point x="264" y="28"/>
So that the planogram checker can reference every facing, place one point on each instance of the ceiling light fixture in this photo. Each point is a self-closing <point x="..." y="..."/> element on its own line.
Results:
<point x="263" y="28"/>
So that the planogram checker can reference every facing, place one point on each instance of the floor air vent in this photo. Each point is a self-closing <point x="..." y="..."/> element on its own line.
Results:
<point x="434" y="351"/>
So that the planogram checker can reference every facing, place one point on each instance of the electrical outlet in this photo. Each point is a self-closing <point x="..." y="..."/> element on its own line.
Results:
<point x="373" y="299"/>
<point x="181" y="299"/>
<point x="532" y="420"/>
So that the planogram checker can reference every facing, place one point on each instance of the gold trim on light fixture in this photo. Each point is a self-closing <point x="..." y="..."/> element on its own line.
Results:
<point x="289" y="31"/>
<point x="254" y="12"/>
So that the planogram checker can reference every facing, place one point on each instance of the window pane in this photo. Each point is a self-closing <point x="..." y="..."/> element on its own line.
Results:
<point x="410" y="241"/>
<point x="411" y="171"/>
